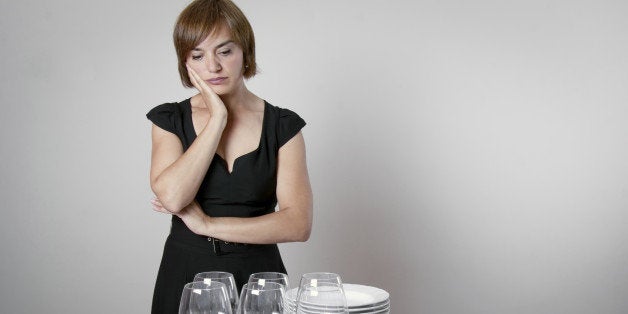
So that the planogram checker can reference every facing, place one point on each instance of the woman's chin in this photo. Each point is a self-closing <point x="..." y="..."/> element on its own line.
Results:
<point x="222" y="90"/>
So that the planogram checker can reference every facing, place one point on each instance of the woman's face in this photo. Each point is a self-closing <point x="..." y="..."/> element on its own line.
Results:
<point x="218" y="61"/>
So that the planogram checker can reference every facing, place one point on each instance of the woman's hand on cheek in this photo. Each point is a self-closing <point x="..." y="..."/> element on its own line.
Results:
<point x="210" y="98"/>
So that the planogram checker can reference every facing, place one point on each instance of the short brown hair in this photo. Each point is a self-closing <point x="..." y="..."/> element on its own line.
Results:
<point x="199" y="19"/>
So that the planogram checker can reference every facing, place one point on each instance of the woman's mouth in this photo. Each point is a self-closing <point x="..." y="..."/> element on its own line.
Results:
<point x="216" y="80"/>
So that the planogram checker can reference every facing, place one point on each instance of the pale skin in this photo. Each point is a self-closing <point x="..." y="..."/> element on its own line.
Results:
<point x="227" y="118"/>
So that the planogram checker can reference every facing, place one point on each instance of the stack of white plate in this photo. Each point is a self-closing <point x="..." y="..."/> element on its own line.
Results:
<point x="360" y="299"/>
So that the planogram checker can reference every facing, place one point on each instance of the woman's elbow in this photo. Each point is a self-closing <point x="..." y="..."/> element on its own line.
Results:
<point x="172" y="206"/>
<point x="303" y="231"/>
<point x="305" y="235"/>
<point x="170" y="201"/>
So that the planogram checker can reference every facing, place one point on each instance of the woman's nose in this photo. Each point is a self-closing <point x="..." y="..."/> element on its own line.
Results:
<point x="213" y="65"/>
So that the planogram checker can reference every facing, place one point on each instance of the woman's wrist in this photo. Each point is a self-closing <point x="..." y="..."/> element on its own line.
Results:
<point x="218" y="121"/>
<point x="207" y="226"/>
<point x="214" y="125"/>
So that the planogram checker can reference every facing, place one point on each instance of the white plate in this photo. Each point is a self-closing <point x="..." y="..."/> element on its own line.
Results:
<point x="353" y="309"/>
<point x="369" y="309"/>
<point x="375" y="311"/>
<point x="379" y="309"/>
<point x="359" y="297"/>
<point x="364" y="296"/>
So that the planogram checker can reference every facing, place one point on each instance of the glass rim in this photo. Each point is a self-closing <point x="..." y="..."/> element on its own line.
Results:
<point x="320" y="273"/>
<point x="206" y="286"/>
<point x="214" y="272"/>
<point x="324" y="284"/>
<point x="278" y="286"/>
<point x="269" y="273"/>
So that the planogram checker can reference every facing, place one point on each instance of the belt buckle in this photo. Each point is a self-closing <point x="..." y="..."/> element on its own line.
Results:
<point x="215" y="245"/>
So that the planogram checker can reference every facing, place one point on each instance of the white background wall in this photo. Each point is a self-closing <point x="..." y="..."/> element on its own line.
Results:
<point x="467" y="156"/>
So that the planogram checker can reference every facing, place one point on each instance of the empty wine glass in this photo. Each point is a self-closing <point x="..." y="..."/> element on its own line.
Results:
<point x="275" y="277"/>
<point x="256" y="298"/>
<point x="312" y="279"/>
<point x="204" y="298"/>
<point x="323" y="297"/>
<point x="309" y="280"/>
<point x="224" y="277"/>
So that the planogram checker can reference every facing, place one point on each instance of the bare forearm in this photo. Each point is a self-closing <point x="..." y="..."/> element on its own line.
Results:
<point x="286" y="225"/>
<point x="277" y="227"/>
<point x="290" y="224"/>
<point x="177" y="185"/>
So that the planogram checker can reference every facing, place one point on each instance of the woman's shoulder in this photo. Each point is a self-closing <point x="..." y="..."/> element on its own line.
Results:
<point x="282" y="113"/>
<point x="170" y="107"/>
<point x="288" y="123"/>
<point x="167" y="115"/>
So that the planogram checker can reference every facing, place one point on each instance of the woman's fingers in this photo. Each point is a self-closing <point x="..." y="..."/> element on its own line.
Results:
<point x="193" y="77"/>
<point x="158" y="207"/>
<point x="198" y="82"/>
<point x="155" y="201"/>
<point x="210" y="98"/>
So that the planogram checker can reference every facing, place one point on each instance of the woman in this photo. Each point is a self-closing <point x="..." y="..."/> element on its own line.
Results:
<point x="223" y="159"/>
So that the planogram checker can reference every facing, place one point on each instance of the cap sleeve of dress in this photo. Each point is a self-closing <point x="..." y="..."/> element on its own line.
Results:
<point x="164" y="116"/>
<point x="289" y="125"/>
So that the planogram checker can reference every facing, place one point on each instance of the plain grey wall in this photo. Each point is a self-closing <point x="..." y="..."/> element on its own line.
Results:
<point x="467" y="156"/>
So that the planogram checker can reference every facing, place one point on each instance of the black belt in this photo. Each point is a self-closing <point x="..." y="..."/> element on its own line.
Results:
<point x="180" y="232"/>
<point x="221" y="247"/>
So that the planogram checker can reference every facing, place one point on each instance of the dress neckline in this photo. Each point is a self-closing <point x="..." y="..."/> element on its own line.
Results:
<point x="223" y="161"/>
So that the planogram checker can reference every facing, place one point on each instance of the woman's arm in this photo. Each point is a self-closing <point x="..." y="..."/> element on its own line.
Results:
<point x="291" y="223"/>
<point x="175" y="176"/>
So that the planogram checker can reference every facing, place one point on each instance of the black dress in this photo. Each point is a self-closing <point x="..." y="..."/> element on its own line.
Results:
<point x="248" y="191"/>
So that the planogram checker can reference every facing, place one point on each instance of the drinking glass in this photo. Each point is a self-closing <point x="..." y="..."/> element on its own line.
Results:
<point x="264" y="277"/>
<point x="204" y="298"/>
<point x="256" y="298"/>
<point x="224" y="277"/>
<point x="323" y="297"/>
<point x="311" y="279"/>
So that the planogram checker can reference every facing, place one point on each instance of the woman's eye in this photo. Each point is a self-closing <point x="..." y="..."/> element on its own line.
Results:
<point x="197" y="57"/>
<point x="225" y="52"/>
